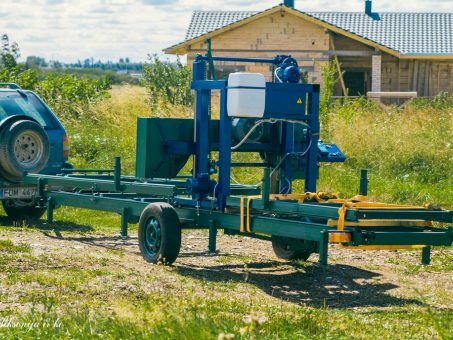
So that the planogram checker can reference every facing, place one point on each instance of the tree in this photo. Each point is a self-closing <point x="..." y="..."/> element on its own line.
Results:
<point x="34" y="61"/>
<point x="55" y="64"/>
<point x="9" y="52"/>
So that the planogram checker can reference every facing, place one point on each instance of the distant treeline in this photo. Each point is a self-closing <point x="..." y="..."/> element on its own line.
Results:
<point x="113" y="77"/>
<point x="123" y="71"/>
<point x="123" y="64"/>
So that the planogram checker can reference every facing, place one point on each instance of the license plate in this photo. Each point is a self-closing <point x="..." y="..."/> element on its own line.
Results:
<point x="17" y="192"/>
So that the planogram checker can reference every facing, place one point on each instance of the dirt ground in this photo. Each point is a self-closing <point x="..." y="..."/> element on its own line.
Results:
<point x="353" y="279"/>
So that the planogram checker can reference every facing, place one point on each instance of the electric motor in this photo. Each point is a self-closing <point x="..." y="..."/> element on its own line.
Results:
<point x="240" y="127"/>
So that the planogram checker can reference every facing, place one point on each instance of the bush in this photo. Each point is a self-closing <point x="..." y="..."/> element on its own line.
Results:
<point x="71" y="97"/>
<point x="167" y="83"/>
<point x="441" y="101"/>
<point x="329" y="80"/>
<point x="27" y="79"/>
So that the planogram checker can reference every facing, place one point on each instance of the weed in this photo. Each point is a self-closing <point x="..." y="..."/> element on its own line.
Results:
<point x="8" y="247"/>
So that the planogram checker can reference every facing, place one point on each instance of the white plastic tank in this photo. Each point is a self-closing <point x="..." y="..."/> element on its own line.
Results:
<point x="246" y="95"/>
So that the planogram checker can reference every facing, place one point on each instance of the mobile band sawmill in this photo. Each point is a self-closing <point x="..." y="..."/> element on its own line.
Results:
<point x="278" y="122"/>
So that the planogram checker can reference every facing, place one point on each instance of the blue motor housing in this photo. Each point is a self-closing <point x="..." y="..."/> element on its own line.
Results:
<point x="202" y="185"/>
<point x="241" y="126"/>
<point x="291" y="74"/>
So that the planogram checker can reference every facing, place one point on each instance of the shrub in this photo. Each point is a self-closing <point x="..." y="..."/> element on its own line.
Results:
<point x="441" y="101"/>
<point x="329" y="80"/>
<point x="167" y="83"/>
<point x="71" y="97"/>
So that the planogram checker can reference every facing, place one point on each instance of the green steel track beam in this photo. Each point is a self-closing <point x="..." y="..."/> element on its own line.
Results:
<point x="259" y="224"/>
<point x="96" y="185"/>
<point x="427" y="215"/>
<point x="430" y="238"/>
<point x="92" y="202"/>
<point x="310" y="210"/>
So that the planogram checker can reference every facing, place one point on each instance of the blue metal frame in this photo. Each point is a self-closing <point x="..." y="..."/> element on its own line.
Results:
<point x="298" y="102"/>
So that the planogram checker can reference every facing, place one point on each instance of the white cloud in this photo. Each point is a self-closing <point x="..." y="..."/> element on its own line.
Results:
<point x="110" y="29"/>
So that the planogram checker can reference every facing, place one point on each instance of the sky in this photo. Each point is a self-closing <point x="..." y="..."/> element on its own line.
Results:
<point x="110" y="29"/>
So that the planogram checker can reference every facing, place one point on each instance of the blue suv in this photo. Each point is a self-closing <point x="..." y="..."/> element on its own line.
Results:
<point x="32" y="140"/>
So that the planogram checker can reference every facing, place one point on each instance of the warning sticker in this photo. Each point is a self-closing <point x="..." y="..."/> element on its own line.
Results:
<point x="299" y="101"/>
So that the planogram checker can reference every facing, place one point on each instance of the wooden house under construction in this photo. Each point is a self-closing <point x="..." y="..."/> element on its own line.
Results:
<point x="378" y="52"/>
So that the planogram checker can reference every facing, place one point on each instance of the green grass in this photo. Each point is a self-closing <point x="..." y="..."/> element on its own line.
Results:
<point x="8" y="247"/>
<point x="98" y="293"/>
<point x="184" y="316"/>
<point x="442" y="262"/>
<point x="93" y="295"/>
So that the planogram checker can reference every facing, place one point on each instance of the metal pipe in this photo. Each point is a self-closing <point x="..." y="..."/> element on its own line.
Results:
<point x="426" y="255"/>
<point x="363" y="182"/>
<point x="266" y="187"/>
<point x="117" y="174"/>
<point x="243" y="60"/>
<point x="212" y="236"/>
<point x="248" y="165"/>
<point x="124" y="222"/>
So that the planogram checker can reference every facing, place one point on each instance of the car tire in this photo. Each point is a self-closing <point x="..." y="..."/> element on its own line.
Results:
<point x="24" y="147"/>
<point x="22" y="209"/>
<point x="290" y="249"/>
<point x="159" y="233"/>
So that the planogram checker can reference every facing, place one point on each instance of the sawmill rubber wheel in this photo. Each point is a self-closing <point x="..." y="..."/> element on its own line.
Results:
<point x="291" y="249"/>
<point x="159" y="233"/>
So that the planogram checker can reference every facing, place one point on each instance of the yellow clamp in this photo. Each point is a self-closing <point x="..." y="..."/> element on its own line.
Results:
<point x="241" y="212"/>
<point x="360" y="203"/>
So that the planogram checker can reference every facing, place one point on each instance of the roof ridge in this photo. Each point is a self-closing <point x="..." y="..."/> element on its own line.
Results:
<point x="379" y="12"/>
<point x="333" y="12"/>
<point x="220" y="11"/>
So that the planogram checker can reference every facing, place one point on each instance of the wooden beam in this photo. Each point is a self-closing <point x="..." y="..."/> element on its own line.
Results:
<point x="427" y="74"/>
<point x="398" y="65"/>
<point x="337" y="63"/>
<point x="411" y="94"/>
<point x="415" y="77"/>
<point x="351" y="53"/>
<point x="331" y="53"/>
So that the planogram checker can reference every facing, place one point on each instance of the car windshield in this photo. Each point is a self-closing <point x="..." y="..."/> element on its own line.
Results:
<point x="21" y="103"/>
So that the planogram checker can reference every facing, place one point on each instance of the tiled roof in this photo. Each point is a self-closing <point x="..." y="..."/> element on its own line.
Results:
<point x="406" y="33"/>
<point x="206" y="21"/>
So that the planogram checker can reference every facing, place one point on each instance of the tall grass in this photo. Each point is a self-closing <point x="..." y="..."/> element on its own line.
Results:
<point x="408" y="151"/>
<point x="112" y="131"/>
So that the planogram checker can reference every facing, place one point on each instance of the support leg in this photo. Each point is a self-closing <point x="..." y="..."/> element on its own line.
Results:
<point x="212" y="237"/>
<point x="324" y="247"/>
<point x="50" y="208"/>
<point x="426" y="255"/>
<point x="124" y="222"/>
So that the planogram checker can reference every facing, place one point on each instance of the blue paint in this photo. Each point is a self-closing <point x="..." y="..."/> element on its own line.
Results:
<point x="286" y="140"/>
